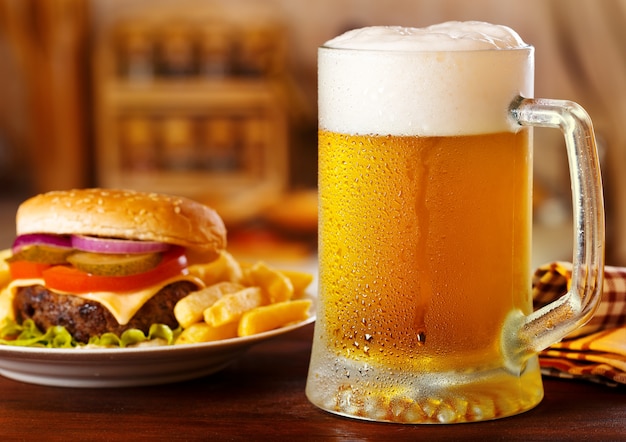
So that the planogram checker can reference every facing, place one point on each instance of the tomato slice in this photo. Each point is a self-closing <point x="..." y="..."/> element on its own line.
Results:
<point x="27" y="269"/>
<point x="72" y="280"/>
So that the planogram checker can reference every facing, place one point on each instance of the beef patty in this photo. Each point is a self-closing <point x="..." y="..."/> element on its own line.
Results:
<point x="84" y="318"/>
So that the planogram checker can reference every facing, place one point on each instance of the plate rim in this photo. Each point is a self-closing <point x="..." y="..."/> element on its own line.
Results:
<point x="78" y="352"/>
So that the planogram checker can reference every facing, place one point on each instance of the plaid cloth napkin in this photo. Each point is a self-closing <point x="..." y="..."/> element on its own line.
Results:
<point x="597" y="351"/>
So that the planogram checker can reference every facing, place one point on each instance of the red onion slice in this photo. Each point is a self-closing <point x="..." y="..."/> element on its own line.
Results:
<point x="112" y="245"/>
<point x="31" y="239"/>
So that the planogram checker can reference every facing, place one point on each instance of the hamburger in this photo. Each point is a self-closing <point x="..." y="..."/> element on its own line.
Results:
<point x="98" y="261"/>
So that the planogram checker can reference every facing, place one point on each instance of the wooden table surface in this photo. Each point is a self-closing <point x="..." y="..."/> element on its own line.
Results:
<point x="261" y="397"/>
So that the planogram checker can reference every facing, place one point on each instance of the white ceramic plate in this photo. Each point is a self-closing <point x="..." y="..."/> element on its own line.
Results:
<point x="125" y="367"/>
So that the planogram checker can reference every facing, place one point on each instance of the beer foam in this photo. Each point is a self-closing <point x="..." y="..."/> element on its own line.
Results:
<point x="448" y="36"/>
<point x="452" y="78"/>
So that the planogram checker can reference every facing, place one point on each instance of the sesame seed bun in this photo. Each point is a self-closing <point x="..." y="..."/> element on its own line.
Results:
<point x="126" y="214"/>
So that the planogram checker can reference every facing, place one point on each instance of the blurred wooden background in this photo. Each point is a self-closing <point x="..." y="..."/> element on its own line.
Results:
<point x="45" y="112"/>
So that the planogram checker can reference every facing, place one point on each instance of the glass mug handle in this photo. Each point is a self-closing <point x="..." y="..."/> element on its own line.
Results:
<point x="527" y="335"/>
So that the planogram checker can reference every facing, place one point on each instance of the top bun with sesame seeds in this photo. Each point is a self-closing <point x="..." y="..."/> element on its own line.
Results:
<point x="126" y="214"/>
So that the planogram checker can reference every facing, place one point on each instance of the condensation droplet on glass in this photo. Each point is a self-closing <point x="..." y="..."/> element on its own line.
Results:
<point x="421" y="337"/>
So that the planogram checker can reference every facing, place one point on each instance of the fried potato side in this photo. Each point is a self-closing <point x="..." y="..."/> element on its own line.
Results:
<point x="276" y="287"/>
<point x="224" y="268"/>
<point x="241" y="299"/>
<point x="273" y="316"/>
<point x="5" y="274"/>
<point x="300" y="280"/>
<point x="203" y="332"/>
<point x="190" y="309"/>
<point x="229" y="308"/>
<point x="6" y="305"/>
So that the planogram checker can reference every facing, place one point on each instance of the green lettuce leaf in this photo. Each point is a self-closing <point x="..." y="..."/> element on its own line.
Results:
<point x="28" y="335"/>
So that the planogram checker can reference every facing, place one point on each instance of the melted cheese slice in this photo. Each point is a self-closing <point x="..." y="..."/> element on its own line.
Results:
<point x="122" y="306"/>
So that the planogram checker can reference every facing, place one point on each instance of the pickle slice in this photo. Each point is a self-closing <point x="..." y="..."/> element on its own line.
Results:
<point x="109" y="264"/>
<point x="42" y="254"/>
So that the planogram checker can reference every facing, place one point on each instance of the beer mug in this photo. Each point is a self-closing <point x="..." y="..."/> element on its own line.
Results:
<point x="425" y="192"/>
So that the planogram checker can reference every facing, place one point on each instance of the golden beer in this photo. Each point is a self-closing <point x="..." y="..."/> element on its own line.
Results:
<point x="432" y="234"/>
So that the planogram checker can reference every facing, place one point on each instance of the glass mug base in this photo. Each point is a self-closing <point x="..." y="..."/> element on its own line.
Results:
<point x="379" y="394"/>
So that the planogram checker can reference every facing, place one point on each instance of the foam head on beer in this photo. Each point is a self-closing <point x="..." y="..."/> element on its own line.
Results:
<point x="378" y="89"/>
